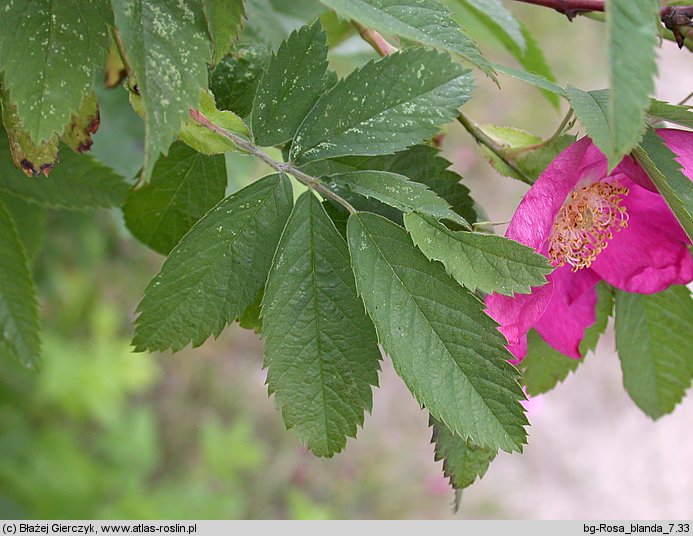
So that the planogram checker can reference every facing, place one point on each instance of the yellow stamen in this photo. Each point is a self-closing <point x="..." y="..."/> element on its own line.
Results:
<point x="585" y="224"/>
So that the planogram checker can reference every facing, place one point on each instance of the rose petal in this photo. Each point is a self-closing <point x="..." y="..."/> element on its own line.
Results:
<point x="652" y="253"/>
<point x="679" y="141"/>
<point x="570" y="311"/>
<point x="516" y="315"/>
<point x="533" y="219"/>
<point x="630" y="168"/>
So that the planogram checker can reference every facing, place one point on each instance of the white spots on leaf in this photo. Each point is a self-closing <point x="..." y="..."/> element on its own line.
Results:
<point x="162" y="22"/>
<point x="186" y="11"/>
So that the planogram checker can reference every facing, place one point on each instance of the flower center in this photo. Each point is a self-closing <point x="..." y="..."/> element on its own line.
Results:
<point x="585" y="224"/>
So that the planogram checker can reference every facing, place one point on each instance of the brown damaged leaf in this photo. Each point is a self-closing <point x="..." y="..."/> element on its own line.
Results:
<point x="114" y="70"/>
<point x="31" y="158"/>
<point x="77" y="133"/>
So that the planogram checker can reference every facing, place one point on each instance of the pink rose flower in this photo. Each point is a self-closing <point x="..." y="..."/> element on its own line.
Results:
<point x="592" y="226"/>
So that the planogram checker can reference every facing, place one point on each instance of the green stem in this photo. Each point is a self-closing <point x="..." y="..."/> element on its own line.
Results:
<point x="561" y="128"/>
<point x="120" y="46"/>
<point x="501" y="152"/>
<point x="489" y="224"/>
<point x="282" y="167"/>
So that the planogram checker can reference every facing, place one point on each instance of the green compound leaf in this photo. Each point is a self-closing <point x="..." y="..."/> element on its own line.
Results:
<point x="447" y="351"/>
<point x="78" y="183"/>
<point x="477" y="261"/>
<point x="615" y="119"/>
<point x="250" y="318"/>
<point x="543" y="367"/>
<point x="168" y="50"/>
<point x="533" y="79"/>
<point x="78" y="132"/>
<point x="30" y="222"/>
<point x="427" y="22"/>
<point x="673" y="113"/>
<point x="420" y="163"/>
<point x="662" y="167"/>
<point x="591" y="108"/>
<point x="50" y="52"/>
<point x="184" y="186"/>
<point x="463" y="461"/>
<point x="235" y="78"/>
<point x="528" y="165"/>
<point x="527" y="52"/>
<point x="653" y="339"/>
<point x="495" y="12"/>
<point x="397" y="191"/>
<point x="265" y="23"/>
<point x="321" y="351"/>
<point x="632" y="33"/>
<point x="19" y="324"/>
<point x="224" y="19"/>
<point x="32" y="158"/>
<point x="217" y="269"/>
<point x="534" y="61"/>
<point x="207" y="141"/>
<point x="384" y="107"/>
<point x="603" y="311"/>
<point x="294" y="80"/>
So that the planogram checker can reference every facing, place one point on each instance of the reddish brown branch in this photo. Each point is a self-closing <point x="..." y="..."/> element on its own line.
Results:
<point x="564" y="6"/>
<point x="569" y="7"/>
<point x="678" y="19"/>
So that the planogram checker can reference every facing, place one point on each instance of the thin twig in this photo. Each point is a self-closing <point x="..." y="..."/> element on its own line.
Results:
<point x="378" y="42"/>
<point x="489" y="224"/>
<point x="573" y="6"/>
<point x="282" y="167"/>
<point x="677" y="20"/>
<point x="373" y="38"/>
<point x="686" y="99"/>
<point x="561" y="128"/>
<point x="120" y="46"/>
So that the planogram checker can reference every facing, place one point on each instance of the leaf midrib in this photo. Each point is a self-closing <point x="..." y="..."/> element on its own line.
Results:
<point x="203" y="273"/>
<point x="428" y="38"/>
<point x="336" y="133"/>
<point x="485" y="250"/>
<point x="450" y="355"/>
<point x="318" y="341"/>
<point x="170" y="204"/>
<point x="22" y="345"/>
<point x="646" y="341"/>
<point x="287" y="87"/>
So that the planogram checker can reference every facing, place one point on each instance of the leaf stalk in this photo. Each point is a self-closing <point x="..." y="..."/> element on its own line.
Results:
<point x="383" y="48"/>
<point x="282" y="167"/>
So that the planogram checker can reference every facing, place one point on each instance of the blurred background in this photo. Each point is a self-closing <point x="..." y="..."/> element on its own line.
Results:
<point x="100" y="432"/>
